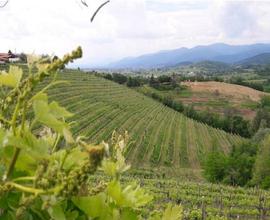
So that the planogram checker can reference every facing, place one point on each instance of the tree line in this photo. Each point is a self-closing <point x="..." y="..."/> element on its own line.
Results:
<point x="248" y="164"/>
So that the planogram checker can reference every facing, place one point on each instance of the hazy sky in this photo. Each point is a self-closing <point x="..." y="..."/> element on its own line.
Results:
<point x="129" y="27"/>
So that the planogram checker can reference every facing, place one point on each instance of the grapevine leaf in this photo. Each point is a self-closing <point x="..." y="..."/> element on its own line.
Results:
<point x="115" y="192"/>
<point x="58" y="111"/>
<point x="9" y="215"/>
<point x="36" y="148"/>
<point x="32" y="150"/>
<point x="92" y="206"/>
<point x="2" y="136"/>
<point x="137" y="195"/>
<point x="72" y="215"/>
<point x="129" y="214"/>
<point x="72" y="161"/>
<point x="109" y="167"/>
<point x="12" y="78"/>
<point x="6" y="154"/>
<point x="41" y="97"/>
<point x="2" y="169"/>
<point x="131" y="196"/>
<point x="67" y="135"/>
<point x="172" y="213"/>
<point x="26" y="163"/>
<point x="49" y="114"/>
<point x="57" y="212"/>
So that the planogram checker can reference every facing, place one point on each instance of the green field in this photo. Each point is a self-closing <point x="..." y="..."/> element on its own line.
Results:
<point x="159" y="137"/>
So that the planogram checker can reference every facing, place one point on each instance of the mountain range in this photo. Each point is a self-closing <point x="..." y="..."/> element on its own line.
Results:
<point x="220" y="52"/>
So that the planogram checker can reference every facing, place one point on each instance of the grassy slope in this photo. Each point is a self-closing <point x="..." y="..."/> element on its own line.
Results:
<point x="158" y="139"/>
<point x="204" y="96"/>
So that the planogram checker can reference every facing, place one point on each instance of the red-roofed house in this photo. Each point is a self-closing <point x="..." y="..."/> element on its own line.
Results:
<point x="9" y="57"/>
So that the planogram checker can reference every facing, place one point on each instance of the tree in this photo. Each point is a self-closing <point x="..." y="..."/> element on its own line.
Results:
<point x="55" y="58"/>
<point x="240" y="164"/>
<point x="133" y="82"/>
<point x="261" y="175"/>
<point x="152" y="81"/>
<point x="119" y="78"/>
<point x="108" y="76"/>
<point x="265" y="101"/>
<point x="215" y="166"/>
<point x="262" y="117"/>
<point x="23" y="57"/>
<point x="164" y="79"/>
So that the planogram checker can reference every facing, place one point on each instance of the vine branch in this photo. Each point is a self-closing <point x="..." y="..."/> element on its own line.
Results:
<point x="84" y="3"/>
<point x="3" y="5"/>
<point x="98" y="9"/>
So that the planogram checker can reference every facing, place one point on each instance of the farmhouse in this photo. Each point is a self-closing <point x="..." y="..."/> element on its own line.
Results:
<point x="9" y="57"/>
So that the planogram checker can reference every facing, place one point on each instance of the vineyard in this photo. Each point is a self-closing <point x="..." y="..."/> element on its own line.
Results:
<point x="162" y="142"/>
<point x="159" y="137"/>
<point x="202" y="201"/>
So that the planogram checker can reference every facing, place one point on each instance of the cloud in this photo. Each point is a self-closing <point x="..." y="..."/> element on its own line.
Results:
<point x="129" y="27"/>
<point x="174" y="5"/>
<point x="237" y="18"/>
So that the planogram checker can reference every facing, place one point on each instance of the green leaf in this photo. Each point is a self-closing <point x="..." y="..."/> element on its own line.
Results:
<point x="36" y="148"/>
<point x="137" y="195"/>
<point x="72" y="161"/>
<point x="67" y="135"/>
<point x="26" y="163"/>
<point x="109" y="167"/>
<point x="57" y="212"/>
<point x="9" y="215"/>
<point x="129" y="214"/>
<point x="173" y="213"/>
<point x="12" y="78"/>
<point x="41" y="97"/>
<point x="2" y="170"/>
<point x="32" y="150"/>
<point x="58" y="111"/>
<point x="131" y="196"/>
<point x="115" y="192"/>
<point x="2" y="136"/>
<point x="72" y="215"/>
<point x="93" y="206"/>
<point x="49" y="115"/>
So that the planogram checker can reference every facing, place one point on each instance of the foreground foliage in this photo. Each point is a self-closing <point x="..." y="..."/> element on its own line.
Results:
<point x="45" y="170"/>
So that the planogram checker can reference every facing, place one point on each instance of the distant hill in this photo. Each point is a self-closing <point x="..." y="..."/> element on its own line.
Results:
<point x="212" y="66"/>
<point x="261" y="59"/>
<point x="215" y="52"/>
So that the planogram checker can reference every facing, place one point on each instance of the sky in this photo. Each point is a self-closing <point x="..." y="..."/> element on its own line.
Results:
<point x="128" y="28"/>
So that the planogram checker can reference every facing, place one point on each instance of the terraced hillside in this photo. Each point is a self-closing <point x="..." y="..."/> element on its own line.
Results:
<point x="160" y="137"/>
